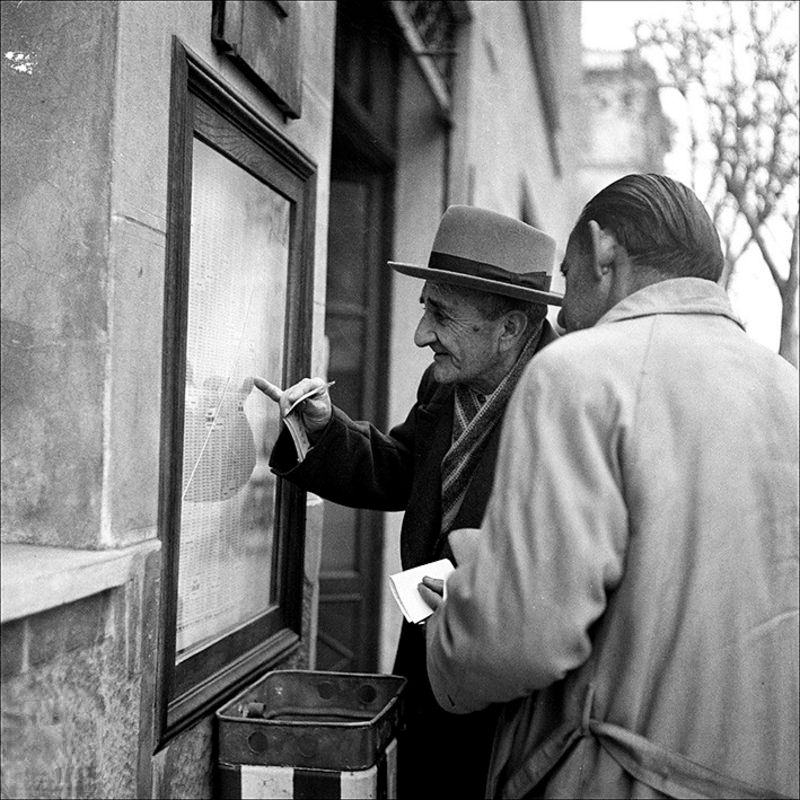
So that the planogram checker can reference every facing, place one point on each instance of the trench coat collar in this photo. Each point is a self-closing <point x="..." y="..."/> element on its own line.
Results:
<point x="674" y="296"/>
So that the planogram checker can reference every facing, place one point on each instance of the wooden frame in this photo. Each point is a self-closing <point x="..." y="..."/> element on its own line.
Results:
<point x="263" y="38"/>
<point x="202" y="105"/>
<point x="352" y="157"/>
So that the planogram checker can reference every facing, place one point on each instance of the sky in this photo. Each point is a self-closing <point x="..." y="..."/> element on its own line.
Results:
<point x="608" y="25"/>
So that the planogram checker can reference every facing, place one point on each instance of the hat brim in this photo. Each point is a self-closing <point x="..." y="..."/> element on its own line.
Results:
<point x="481" y="284"/>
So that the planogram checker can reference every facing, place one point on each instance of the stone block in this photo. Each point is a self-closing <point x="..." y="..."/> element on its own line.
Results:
<point x="137" y="262"/>
<point x="66" y="628"/>
<point x="69" y="724"/>
<point x="185" y="767"/>
<point x="148" y="665"/>
<point x="12" y="649"/>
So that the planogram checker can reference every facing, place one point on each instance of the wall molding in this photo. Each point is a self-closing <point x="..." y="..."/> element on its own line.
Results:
<point x="35" y="578"/>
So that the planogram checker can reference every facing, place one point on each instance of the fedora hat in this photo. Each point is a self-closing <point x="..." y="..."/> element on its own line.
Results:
<point x="490" y="252"/>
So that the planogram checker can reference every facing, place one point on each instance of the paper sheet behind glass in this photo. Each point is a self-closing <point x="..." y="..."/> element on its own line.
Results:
<point x="237" y="299"/>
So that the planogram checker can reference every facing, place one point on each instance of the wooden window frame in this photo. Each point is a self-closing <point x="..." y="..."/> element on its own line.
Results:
<point x="203" y="105"/>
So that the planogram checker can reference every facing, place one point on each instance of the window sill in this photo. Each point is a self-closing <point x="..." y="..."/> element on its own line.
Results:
<point x="35" y="578"/>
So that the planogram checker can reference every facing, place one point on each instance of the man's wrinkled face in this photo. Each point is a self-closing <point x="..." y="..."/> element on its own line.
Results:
<point x="582" y="304"/>
<point x="464" y="343"/>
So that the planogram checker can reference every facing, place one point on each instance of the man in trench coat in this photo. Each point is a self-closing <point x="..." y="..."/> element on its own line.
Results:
<point x="485" y="299"/>
<point x="633" y="597"/>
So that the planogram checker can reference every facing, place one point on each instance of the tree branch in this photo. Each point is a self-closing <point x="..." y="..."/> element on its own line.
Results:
<point x="737" y="78"/>
<point x="794" y="271"/>
<point x="758" y="237"/>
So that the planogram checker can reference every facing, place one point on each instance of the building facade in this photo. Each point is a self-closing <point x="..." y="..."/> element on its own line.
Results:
<point x="626" y="129"/>
<point x="194" y="193"/>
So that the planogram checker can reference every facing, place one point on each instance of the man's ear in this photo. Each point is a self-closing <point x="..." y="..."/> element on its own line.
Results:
<point x="515" y="323"/>
<point x="603" y="249"/>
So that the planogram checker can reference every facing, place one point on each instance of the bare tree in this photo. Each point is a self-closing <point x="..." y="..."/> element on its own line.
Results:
<point x="734" y="66"/>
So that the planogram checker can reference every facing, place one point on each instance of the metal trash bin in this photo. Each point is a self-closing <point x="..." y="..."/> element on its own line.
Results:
<point x="311" y="734"/>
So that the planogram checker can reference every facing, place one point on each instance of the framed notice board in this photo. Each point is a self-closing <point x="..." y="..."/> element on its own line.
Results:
<point x="237" y="304"/>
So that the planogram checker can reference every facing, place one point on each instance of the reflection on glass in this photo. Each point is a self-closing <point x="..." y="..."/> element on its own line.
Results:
<point x="238" y="270"/>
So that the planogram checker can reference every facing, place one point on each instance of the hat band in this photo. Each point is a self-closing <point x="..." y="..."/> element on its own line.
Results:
<point x="478" y="269"/>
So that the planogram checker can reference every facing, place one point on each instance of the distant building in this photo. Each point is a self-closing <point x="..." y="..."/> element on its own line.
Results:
<point x="194" y="193"/>
<point x="625" y="127"/>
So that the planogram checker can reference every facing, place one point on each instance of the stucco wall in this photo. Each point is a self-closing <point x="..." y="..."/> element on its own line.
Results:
<point x="508" y="139"/>
<point x="57" y="102"/>
<point x="85" y="134"/>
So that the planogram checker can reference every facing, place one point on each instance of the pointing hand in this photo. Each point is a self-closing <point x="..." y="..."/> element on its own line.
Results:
<point x="316" y="410"/>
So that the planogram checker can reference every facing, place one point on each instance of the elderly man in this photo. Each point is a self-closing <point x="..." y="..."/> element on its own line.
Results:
<point x="633" y="596"/>
<point x="485" y="299"/>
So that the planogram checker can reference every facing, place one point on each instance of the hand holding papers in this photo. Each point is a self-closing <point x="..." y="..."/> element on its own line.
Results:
<point x="299" y="435"/>
<point x="305" y="407"/>
<point x="405" y="592"/>
<point x="313" y="392"/>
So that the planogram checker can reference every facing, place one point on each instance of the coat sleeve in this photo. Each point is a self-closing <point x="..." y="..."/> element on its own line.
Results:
<point x="353" y="463"/>
<point x="517" y="617"/>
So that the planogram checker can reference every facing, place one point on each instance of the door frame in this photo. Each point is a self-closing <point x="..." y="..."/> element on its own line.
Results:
<point x="364" y="585"/>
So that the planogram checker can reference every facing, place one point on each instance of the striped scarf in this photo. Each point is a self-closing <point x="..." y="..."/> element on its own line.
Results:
<point x="474" y="418"/>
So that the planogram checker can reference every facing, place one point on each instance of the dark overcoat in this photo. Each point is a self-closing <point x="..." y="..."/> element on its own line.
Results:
<point x="354" y="464"/>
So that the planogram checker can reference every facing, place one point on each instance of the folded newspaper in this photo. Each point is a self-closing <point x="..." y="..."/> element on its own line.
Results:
<point x="294" y="421"/>
<point x="404" y="588"/>
<point x="297" y="429"/>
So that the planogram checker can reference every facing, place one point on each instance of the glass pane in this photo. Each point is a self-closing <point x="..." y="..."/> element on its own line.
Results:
<point x="238" y="271"/>
<point x="339" y="541"/>
<point x="346" y="335"/>
<point x="347" y="234"/>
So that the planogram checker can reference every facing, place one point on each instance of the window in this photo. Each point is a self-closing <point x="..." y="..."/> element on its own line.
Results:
<point x="237" y="304"/>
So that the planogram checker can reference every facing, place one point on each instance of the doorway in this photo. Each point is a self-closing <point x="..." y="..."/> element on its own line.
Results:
<point x="357" y="317"/>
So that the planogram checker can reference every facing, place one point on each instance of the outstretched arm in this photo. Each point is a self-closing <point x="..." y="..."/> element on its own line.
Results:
<point x="351" y="462"/>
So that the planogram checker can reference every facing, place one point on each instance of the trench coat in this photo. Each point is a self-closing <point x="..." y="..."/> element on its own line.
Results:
<point x="354" y="464"/>
<point x="636" y="606"/>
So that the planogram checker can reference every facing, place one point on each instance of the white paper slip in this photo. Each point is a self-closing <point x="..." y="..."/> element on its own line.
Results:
<point x="405" y="592"/>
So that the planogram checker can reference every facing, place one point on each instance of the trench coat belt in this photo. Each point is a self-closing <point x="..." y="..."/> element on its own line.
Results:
<point x="649" y="763"/>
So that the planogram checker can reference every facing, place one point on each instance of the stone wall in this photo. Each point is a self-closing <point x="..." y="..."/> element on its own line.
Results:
<point x="73" y="680"/>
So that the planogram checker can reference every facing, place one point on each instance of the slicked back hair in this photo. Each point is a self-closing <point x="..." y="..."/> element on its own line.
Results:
<point x="661" y="224"/>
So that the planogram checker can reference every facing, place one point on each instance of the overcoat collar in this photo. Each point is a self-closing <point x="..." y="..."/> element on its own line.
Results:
<point x="674" y="296"/>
